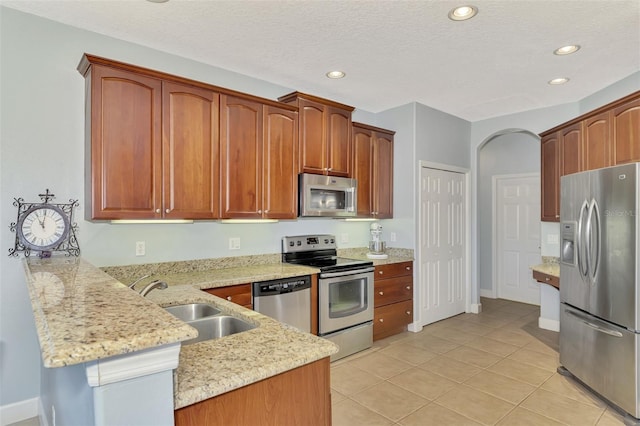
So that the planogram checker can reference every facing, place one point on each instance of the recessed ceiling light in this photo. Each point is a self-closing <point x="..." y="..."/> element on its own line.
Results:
<point x="560" y="80"/>
<point x="462" y="13"/>
<point x="566" y="50"/>
<point x="158" y="1"/>
<point x="335" y="74"/>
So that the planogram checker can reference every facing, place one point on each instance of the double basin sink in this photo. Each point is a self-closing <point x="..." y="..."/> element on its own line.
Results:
<point x="210" y="322"/>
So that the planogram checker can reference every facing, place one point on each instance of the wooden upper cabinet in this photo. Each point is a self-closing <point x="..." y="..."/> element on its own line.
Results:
<point x="280" y="162"/>
<point x="123" y="146"/>
<point x="373" y="169"/>
<point x="190" y="152"/>
<point x="339" y="141"/>
<point x="325" y="134"/>
<point x="362" y="162"/>
<point x="607" y="136"/>
<point x="241" y="154"/>
<point x="550" y="178"/>
<point x="259" y="159"/>
<point x="571" y="149"/>
<point x="383" y="174"/>
<point x="625" y="123"/>
<point x="596" y="137"/>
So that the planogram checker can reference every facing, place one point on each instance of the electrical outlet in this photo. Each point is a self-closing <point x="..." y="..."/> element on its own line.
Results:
<point x="234" y="243"/>
<point x="141" y="248"/>
<point x="344" y="238"/>
<point x="393" y="237"/>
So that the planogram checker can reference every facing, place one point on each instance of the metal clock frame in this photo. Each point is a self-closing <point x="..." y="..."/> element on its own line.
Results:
<point x="67" y="245"/>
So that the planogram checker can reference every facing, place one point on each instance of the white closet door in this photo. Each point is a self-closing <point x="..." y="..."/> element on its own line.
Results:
<point x="442" y="272"/>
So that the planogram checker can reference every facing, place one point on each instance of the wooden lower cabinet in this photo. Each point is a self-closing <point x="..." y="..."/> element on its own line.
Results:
<point x="239" y="294"/>
<point x="393" y="299"/>
<point x="301" y="396"/>
<point x="546" y="279"/>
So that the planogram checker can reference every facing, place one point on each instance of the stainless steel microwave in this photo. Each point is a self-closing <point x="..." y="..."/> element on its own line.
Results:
<point x="326" y="196"/>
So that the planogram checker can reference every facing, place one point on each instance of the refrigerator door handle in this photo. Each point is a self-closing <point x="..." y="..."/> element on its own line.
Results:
<point x="594" y="245"/>
<point x="596" y="327"/>
<point x="580" y="248"/>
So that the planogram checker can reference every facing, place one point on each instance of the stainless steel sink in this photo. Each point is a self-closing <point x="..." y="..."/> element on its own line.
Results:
<point x="216" y="327"/>
<point x="208" y="320"/>
<point x="192" y="311"/>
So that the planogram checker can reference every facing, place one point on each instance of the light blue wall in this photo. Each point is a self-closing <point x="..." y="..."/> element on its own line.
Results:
<point x="42" y="146"/>
<point x="441" y="137"/>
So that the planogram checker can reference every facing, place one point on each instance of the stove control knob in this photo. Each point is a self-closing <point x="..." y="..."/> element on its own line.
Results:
<point x="298" y="243"/>
<point x="291" y="243"/>
<point x="326" y="241"/>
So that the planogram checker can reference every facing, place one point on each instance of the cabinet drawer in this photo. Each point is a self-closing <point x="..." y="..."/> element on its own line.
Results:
<point x="392" y="290"/>
<point x="546" y="278"/>
<point x="394" y="270"/>
<point x="240" y="294"/>
<point x="392" y="319"/>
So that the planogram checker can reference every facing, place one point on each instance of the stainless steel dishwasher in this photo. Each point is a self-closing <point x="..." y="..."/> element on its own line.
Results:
<point x="287" y="300"/>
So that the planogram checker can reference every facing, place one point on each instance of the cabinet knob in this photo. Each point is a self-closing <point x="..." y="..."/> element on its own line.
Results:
<point x="380" y="272"/>
<point x="260" y="211"/>
<point x="381" y="320"/>
<point x="157" y="210"/>
<point x="408" y="312"/>
<point x="330" y="168"/>
<point x="167" y="211"/>
<point x="228" y="297"/>
<point x="557" y="216"/>
<point x="408" y="268"/>
<point x="408" y="287"/>
<point x="381" y="293"/>
<point x="547" y="279"/>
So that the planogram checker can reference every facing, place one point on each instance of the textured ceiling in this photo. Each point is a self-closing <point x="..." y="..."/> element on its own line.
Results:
<point x="394" y="52"/>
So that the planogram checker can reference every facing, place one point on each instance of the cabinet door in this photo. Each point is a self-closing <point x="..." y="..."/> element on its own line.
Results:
<point x="550" y="176"/>
<point x="382" y="176"/>
<point x="626" y="132"/>
<point x="596" y="142"/>
<point x="280" y="157"/>
<point x="313" y="148"/>
<point x="241" y="157"/>
<point x="190" y="152"/>
<point x="338" y="141"/>
<point x="362" y="163"/>
<point x="570" y="145"/>
<point x="125" y="145"/>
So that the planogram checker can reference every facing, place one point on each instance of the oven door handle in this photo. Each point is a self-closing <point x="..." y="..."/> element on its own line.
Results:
<point x="346" y="273"/>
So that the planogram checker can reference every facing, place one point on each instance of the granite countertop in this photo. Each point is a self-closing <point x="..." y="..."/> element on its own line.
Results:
<point x="83" y="314"/>
<point x="395" y="255"/>
<point x="549" y="266"/>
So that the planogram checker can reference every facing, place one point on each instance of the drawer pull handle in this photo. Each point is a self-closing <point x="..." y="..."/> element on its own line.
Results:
<point x="228" y="297"/>
<point x="381" y="320"/>
<point x="381" y="293"/>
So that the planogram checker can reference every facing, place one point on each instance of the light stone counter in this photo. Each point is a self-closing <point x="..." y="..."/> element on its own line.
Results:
<point x="83" y="314"/>
<point x="550" y="266"/>
<point x="395" y="255"/>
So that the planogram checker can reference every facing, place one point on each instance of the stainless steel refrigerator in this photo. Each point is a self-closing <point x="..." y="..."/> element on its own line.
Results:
<point x="599" y="291"/>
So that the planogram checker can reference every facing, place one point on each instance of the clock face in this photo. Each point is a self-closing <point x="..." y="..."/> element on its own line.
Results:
<point x="43" y="227"/>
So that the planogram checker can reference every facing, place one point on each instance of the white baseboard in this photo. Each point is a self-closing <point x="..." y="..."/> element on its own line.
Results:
<point x="414" y="327"/>
<point x="476" y="308"/>
<point x="549" y="324"/>
<point x="18" y="411"/>
<point x="489" y="294"/>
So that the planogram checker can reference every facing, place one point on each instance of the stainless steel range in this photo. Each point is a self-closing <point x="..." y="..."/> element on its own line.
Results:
<point x="345" y="291"/>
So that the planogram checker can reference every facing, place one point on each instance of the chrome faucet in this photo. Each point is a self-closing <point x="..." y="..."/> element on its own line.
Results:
<point x="152" y="286"/>
<point x="133" y="284"/>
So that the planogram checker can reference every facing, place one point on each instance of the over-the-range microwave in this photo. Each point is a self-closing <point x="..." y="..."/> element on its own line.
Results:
<point x="326" y="196"/>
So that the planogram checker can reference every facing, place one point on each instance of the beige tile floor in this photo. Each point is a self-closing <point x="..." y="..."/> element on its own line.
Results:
<point x="495" y="368"/>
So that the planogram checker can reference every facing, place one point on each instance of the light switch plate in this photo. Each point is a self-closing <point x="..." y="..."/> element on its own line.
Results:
<point x="141" y="248"/>
<point x="234" y="243"/>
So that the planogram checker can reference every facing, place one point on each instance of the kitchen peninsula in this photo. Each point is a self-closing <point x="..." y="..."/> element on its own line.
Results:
<point x="112" y="346"/>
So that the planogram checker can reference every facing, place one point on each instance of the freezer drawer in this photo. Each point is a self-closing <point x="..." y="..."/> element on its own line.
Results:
<point x="602" y="355"/>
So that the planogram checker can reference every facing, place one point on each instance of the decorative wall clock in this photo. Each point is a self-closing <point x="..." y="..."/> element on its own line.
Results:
<point x="45" y="227"/>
